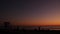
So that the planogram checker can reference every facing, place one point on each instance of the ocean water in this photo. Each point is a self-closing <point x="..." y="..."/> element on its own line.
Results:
<point x="41" y="28"/>
<point x="50" y="28"/>
<point x="46" y="28"/>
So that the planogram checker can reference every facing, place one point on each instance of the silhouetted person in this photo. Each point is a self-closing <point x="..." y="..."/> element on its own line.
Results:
<point x="39" y="28"/>
<point x="17" y="28"/>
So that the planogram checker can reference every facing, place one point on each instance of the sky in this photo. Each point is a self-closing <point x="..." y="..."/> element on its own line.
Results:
<point x="30" y="12"/>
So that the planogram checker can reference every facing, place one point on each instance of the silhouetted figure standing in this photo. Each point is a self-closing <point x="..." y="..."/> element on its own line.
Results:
<point x="17" y="28"/>
<point x="39" y="28"/>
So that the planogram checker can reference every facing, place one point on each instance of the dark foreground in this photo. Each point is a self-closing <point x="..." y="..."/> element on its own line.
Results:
<point x="30" y="32"/>
<point x="9" y="29"/>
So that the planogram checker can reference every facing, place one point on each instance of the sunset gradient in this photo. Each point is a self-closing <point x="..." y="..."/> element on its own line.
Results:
<point x="31" y="13"/>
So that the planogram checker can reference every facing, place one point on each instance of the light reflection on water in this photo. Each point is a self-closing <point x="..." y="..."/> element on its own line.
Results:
<point x="42" y="28"/>
<point x="54" y="28"/>
<point x="51" y="27"/>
